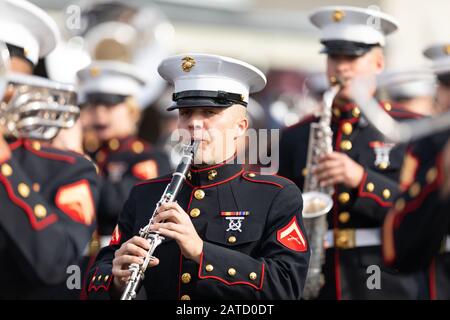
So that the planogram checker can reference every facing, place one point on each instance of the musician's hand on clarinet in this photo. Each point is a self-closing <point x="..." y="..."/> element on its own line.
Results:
<point x="173" y="222"/>
<point x="132" y="251"/>
<point x="336" y="168"/>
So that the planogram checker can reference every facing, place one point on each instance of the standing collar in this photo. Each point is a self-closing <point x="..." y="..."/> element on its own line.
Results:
<point x="214" y="174"/>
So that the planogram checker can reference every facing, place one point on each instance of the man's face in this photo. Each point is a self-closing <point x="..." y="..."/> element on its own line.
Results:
<point x="348" y="68"/>
<point x="217" y="128"/>
<point x="110" y="121"/>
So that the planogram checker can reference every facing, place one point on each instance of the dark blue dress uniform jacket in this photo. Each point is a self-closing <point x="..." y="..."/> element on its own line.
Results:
<point x="417" y="226"/>
<point x="47" y="217"/>
<point x="266" y="257"/>
<point x="364" y="207"/>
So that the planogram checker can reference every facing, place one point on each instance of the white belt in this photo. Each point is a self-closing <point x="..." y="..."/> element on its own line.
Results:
<point x="353" y="238"/>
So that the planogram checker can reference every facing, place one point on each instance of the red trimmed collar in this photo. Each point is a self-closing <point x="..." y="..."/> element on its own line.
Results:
<point x="214" y="174"/>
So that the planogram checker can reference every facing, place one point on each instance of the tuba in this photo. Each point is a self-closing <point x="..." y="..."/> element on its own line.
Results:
<point x="139" y="35"/>
<point x="34" y="107"/>
<point x="317" y="200"/>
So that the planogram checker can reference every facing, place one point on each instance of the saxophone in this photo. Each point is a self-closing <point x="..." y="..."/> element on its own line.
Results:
<point x="154" y="238"/>
<point x="317" y="200"/>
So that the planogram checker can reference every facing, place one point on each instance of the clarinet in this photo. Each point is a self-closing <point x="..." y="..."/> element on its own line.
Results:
<point x="154" y="238"/>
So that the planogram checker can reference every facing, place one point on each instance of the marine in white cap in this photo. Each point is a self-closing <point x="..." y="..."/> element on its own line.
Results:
<point x="439" y="55"/>
<point x="363" y="168"/>
<point x="419" y="220"/>
<point x="108" y="94"/>
<point x="47" y="194"/>
<point x="412" y="89"/>
<point x="237" y="234"/>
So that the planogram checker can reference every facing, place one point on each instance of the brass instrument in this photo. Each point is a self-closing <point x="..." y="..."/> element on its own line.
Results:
<point x="34" y="107"/>
<point x="317" y="200"/>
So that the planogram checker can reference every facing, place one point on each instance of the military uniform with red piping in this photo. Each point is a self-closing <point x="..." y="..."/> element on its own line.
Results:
<point x="254" y="242"/>
<point x="122" y="164"/>
<point x="353" y="265"/>
<point x="363" y="208"/>
<point x="47" y="217"/>
<point x="416" y="233"/>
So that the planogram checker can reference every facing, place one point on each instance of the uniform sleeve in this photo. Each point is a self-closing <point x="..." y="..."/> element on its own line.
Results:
<point x="375" y="194"/>
<point x="414" y="229"/>
<point x="49" y="232"/>
<point x="277" y="271"/>
<point x="100" y="277"/>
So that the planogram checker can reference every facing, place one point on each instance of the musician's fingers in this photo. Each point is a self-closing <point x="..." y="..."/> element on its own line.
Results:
<point x="154" y="262"/>
<point x="126" y="259"/>
<point x="170" y="205"/>
<point x="169" y="233"/>
<point x="169" y="226"/>
<point x="134" y="250"/>
<point x="170" y="215"/>
<point x="330" y="173"/>
<point x="140" y="242"/>
<point x="118" y="272"/>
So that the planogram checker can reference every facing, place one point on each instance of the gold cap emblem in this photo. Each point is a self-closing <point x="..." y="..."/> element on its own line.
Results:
<point x="188" y="63"/>
<point x="447" y="49"/>
<point x="338" y="15"/>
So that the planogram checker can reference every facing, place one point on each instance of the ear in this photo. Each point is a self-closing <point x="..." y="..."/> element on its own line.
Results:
<point x="378" y="56"/>
<point x="241" y="126"/>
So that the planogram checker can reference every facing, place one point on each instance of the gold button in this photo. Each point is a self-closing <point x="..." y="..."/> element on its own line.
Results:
<point x="36" y="145"/>
<point x="232" y="239"/>
<point x="344" y="217"/>
<point x="387" y="106"/>
<point x="344" y="197"/>
<point x="400" y="204"/>
<point x="370" y="187"/>
<point x="253" y="276"/>
<point x="386" y="193"/>
<point x="199" y="194"/>
<point x="106" y="278"/>
<point x="383" y="165"/>
<point x="232" y="272"/>
<point x="304" y="172"/>
<point x="194" y="213"/>
<point x="40" y="211"/>
<point x="209" y="267"/>
<point x="414" y="190"/>
<point x="336" y="112"/>
<point x="114" y="144"/>
<point x="347" y="128"/>
<point x="252" y="175"/>
<point x="99" y="278"/>
<point x="346" y="145"/>
<point x="185" y="297"/>
<point x="212" y="174"/>
<point x="137" y="147"/>
<point x="6" y="170"/>
<point x="186" y="278"/>
<point x="431" y="175"/>
<point x="356" y="112"/>
<point x="36" y="187"/>
<point x="23" y="189"/>
<point x="93" y="279"/>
